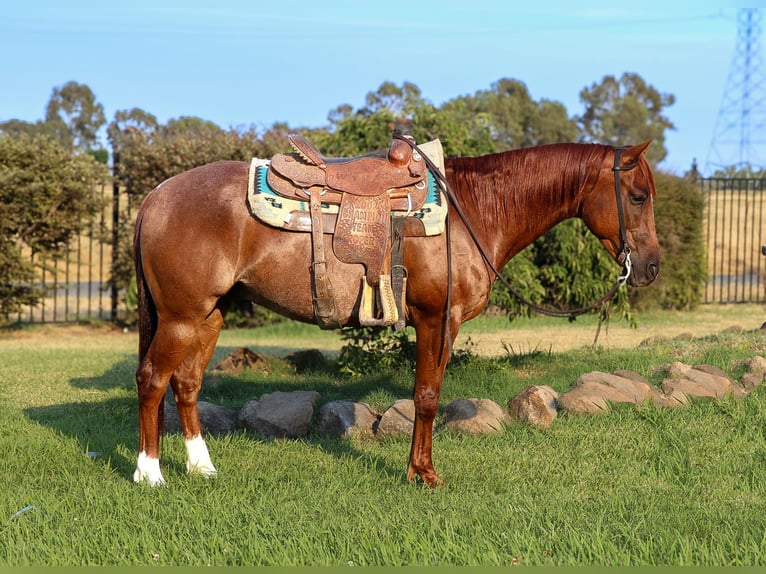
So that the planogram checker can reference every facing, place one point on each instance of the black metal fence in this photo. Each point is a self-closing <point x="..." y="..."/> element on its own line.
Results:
<point x="735" y="231"/>
<point x="77" y="284"/>
<point x="79" y="289"/>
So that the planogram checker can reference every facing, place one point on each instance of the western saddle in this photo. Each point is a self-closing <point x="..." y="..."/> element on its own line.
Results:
<point x="374" y="194"/>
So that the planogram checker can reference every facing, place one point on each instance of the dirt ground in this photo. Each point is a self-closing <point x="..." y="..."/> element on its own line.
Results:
<point x="562" y="336"/>
<point x="517" y="337"/>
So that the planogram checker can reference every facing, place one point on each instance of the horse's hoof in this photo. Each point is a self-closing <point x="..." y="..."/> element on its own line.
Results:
<point x="149" y="478"/>
<point x="429" y="478"/>
<point x="202" y="470"/>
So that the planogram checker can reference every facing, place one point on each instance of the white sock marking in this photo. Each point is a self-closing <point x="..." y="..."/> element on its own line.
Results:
<point x="148" y="469"/>
<point x="197" y="457"/>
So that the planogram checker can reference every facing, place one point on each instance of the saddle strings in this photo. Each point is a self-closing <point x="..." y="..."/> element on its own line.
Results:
<point x="572" y="314"/>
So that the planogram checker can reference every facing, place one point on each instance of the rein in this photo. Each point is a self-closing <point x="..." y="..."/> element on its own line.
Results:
<point x="623" y="258"/>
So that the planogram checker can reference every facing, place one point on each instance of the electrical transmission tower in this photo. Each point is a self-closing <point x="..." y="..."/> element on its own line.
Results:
<point x="739" y="138"/>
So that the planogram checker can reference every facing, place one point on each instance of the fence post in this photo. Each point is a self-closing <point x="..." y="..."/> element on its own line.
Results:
<point x="115" y="228"/>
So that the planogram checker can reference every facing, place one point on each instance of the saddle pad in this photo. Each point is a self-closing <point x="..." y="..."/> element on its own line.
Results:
<point x="293" y="215"/>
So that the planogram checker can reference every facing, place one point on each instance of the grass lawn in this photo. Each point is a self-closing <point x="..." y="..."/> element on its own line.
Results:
<point x="635" y="486"/>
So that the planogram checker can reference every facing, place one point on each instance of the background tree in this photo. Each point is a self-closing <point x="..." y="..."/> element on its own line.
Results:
<point x="74" y="107"/>
<point x="46" y="198"/>
<point x="354" y="132"/>
<point x="513" y="118"/>
<point x="625" y="112"/>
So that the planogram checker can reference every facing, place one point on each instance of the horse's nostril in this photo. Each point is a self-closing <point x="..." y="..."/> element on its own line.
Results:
<point x="652" y="270"/>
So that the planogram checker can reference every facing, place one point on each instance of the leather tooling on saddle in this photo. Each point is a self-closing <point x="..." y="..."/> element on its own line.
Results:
<point x="368" y="204"/>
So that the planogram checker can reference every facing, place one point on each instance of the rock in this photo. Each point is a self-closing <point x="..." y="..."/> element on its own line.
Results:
<point x="241" y="359"/>
<point x="280" y="414"/>
<point x="592" y="397"/>
<point x="711" y="370"/>
<point x="344" y="418"/>
<point x="633" y="376"/>
<point x="757" y="365"/>
<point x="673" y="399"/>
<point x="756" y="372"/>
<point x="536" y="405"/>
<point x="398" y="420"/>
<point x="751" y="380"/>
<point x="684" y="336"/>
<point x="475" y="416"/>
<point x="214" y="419"/>
<point x="635" y="391"/>
<point x="689" y="388"/>
<point x="708" y="385"/>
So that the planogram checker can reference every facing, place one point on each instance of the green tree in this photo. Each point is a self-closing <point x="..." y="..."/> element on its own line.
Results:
<point x="513" y="118"/>
<point x="740" y="172"/>
<point x="369" y="128"/>
<point x="46" y="198"/>
<point x="626" y="111"/>
<point x="76" y="113"/>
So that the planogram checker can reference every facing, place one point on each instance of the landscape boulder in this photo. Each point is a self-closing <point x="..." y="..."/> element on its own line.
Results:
<point x="345" y="418"/>
<point x="536" y="405"/>
<point x="756" y="369"/>
<point x="214" y="419"/>
<point x="280" y="414"/>
<point x="594" y="391"/>
<point x="475" y="416"/>
<point x="700" y="381"/>
<point x="398" y="420"/>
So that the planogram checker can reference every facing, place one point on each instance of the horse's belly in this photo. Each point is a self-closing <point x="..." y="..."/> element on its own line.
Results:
<point x="282" y="281"/>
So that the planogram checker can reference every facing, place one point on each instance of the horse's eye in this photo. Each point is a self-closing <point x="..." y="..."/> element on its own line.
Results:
<point x="638" y="199"/>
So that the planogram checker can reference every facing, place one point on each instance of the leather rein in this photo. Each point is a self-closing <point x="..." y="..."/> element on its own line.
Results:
<point x="623" y="258"/>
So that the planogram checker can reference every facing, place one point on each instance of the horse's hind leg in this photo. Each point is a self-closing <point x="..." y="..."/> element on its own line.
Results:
<point x="186" y="383"/>
<point x="165" y="353"/>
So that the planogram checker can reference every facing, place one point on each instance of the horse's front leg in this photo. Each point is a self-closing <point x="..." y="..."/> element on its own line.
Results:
<point x="433" y="353"/>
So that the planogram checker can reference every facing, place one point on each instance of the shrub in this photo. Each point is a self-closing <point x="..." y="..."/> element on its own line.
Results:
<point x="680" y="216"/>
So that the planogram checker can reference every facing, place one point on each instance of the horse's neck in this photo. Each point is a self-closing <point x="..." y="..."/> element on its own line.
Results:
<point x="509" y="213"/>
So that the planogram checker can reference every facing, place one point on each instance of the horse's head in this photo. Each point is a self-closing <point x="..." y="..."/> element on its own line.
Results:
<point x="626" y="184"/>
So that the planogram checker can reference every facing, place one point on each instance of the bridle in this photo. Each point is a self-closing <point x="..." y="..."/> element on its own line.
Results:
<point x="623" y="258"/>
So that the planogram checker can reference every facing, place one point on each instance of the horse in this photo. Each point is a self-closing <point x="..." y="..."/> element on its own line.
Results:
<point x="198" y="250"/>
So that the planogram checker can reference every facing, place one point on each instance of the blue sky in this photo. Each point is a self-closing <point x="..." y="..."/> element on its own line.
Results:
<point x="251" y="63"/>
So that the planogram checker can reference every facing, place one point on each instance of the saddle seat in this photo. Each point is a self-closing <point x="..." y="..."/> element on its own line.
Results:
<point x="366" y="175"/>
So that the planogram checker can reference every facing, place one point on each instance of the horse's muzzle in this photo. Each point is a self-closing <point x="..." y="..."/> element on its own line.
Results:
<point x="644" y="273"/>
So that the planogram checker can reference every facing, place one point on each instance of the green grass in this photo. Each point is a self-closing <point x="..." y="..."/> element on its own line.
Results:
<point x="635" y="486"/>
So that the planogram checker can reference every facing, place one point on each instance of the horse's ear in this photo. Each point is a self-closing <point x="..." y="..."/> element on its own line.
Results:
<point x="631" y="153"/>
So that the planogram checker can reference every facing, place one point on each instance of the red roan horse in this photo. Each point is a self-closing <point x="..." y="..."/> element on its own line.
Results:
<point x="198" y="249"/>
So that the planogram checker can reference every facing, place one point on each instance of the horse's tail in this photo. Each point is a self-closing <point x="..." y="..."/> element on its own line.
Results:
<point x="146" y="308"/>
<point x="147" y="312"/>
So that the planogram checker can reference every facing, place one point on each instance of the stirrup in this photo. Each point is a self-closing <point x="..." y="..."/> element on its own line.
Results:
<point x="367" y="314"/>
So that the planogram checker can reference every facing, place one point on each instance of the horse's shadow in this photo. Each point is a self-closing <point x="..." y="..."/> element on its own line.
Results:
<point x="107" y="430"/>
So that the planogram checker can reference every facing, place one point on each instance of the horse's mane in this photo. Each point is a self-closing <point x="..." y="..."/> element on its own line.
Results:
<point x="520" y="184"/>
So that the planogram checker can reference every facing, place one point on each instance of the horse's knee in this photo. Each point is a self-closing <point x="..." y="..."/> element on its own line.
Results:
<point x="426" y="403"/>
<point x="185" y="389"/>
